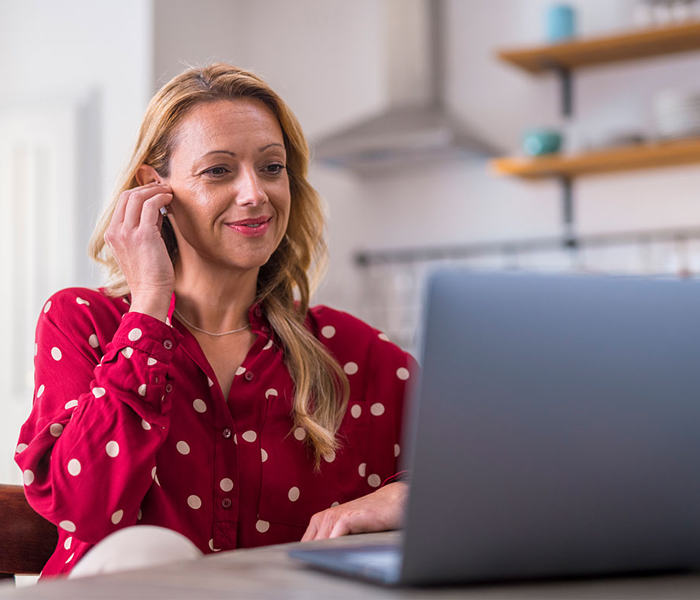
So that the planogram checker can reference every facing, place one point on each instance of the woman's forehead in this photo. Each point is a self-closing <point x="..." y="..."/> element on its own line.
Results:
<point x="226" y="124"/>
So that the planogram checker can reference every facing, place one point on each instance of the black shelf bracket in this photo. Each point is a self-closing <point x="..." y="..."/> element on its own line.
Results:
<point x="567" y="92"/>
<point x="567" y="209"/>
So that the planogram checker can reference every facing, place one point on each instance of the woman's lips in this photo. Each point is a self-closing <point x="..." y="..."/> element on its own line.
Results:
<point x="251" y="227"/>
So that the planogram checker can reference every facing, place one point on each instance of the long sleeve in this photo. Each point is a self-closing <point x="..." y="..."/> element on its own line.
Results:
<point x="100" y="413"/>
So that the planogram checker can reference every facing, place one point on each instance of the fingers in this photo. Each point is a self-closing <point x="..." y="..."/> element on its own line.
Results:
<point x="143" y="205"/>
<point x="330" y="523"/>
<point x="310" y="533"/>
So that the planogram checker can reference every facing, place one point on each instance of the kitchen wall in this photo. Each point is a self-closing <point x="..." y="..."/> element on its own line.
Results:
<point x="326" y="57"/>
<point x="90" y="63"/>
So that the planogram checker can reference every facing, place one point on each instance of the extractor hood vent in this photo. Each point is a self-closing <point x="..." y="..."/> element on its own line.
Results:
<point x="416" y="127"/>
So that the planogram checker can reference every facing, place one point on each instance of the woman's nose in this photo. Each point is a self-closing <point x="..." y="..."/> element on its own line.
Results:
<point x="249" y="189"/>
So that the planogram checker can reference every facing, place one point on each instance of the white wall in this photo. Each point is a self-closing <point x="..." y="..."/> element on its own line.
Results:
<point x="94" y="59"/>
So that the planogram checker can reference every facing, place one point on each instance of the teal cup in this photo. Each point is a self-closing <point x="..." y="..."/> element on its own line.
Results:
<point x="560" y="23"/>
<point x="538" y="142"/>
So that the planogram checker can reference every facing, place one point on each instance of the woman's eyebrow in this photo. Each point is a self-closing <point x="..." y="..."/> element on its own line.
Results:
<point x="262" y="149"/>
<point x="270" y="146"/>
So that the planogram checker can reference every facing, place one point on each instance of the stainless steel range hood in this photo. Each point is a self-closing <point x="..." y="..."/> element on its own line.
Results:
<point x="416" y="127"/>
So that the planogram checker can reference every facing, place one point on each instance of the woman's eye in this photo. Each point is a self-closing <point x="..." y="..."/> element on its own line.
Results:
<point x="217" y="171"/>
<point x="274" y="169"/>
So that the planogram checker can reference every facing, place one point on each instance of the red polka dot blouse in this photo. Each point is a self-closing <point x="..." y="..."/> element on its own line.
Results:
<point x="129" y="426"/>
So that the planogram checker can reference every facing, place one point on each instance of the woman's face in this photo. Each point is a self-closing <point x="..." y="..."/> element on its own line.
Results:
<point x="228" y="174"/>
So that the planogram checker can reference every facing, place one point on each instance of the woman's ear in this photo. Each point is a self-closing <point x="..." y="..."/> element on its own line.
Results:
<point x="147" y="174"/>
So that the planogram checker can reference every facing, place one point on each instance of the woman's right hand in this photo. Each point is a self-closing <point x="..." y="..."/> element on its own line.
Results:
<point x="135" y="240"/>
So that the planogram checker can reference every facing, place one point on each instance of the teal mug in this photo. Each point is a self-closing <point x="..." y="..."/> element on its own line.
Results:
<point x="542" y="141"/>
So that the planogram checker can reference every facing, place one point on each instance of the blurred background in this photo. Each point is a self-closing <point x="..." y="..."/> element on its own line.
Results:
<point x="424" y="117"/>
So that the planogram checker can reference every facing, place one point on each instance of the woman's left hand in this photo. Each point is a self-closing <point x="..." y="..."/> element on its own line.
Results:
<point x="379" y="511"/>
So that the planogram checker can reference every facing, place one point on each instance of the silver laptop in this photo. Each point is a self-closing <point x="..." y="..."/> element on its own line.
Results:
<point x="555" y="432"/>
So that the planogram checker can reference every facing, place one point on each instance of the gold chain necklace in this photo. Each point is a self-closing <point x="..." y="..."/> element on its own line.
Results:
<point x="177" y="312"/>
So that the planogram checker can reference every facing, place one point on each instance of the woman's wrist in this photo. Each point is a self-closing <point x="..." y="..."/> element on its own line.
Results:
<point x="153" y="304"/>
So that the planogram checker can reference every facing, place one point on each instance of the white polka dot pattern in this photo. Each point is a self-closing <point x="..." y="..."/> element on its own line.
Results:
<point x="271" y="392"/>
<point x="397" y="450"/>
<point x="240" y="370"/>
<point x="28" y="477"/>
<point x="250" y="436"/>
<point x="226" y="484"/>
<point x="68" y="526"/>
<point x="71" y="404"/>
<point x="151" y="361"/>
<point x="183" y="448"/>
<point x="350" y="368"/>
<point x="68" y="542"/>
<point x="356" y="411"/>
<point x="145" y="424"/>
<point x="335" y="504"/>
<point x="328" y="331"/>
<point x="384" y="337"/>
<point x="268" y="345"/>
<point x="21" y="448"/>
<point x="329" y="456"/>
<point x="362" y="469"/>
<point x="40" y="391"/>
<point x="402" y="373"/>
<point x="112" y="449"/>
<point x="293" y="494"/>
<point x="210" y="382"/>
<point x="200" y="405"/>
<point x="194" y="502"/>
<point x="262" y="526"/>
<point x="98" y="392"/>
<point x="94" y="342"/>
<point x="374" y="480"/>
<point x="56" y="429"/>
<point x="211" y="546"/>
<point x="74" y="467"/>
<point x="142" y="389"/>
<point x="135" y="334"/>
<point x="117" y="516"/>
<point x="377" y="409"/>
<point x="56" y="353"/>
<point x="79" y="300"/>
<point x="47" y="307"/>
<point x="299" y="433"/>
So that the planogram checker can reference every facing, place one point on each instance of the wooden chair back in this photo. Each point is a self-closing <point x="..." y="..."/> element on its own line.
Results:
<point x="27" y="540"/>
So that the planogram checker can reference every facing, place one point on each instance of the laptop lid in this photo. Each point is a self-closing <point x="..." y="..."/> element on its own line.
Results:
<point x="556" y="428"/>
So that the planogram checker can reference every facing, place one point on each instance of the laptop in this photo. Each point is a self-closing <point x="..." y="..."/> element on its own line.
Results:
<point x="554" y="432"/>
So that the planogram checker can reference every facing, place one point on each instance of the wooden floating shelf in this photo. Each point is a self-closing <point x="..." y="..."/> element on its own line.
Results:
<point x="626" y="158"/>
<point x="608" y="49"/>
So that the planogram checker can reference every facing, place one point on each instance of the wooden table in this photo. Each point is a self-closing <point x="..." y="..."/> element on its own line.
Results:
<point x="269" y="573"/>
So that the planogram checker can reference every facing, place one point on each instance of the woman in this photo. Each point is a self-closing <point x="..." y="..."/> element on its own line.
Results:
<point x="198" y="391"/>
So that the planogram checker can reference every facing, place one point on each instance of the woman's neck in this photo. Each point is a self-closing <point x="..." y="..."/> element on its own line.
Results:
<point x="215" y="302"/>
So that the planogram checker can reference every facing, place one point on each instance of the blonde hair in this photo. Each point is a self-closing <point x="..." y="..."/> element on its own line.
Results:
<point x="321" y="386"/>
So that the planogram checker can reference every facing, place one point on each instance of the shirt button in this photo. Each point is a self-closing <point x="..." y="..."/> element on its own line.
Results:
<point x="258" y="312"/>
<point x="168" y="345"/>
<point x="248" y="375"/>
<point x="226" y="503"/>
<point x="265" y="328"/>
<point x="169" y="388"/>
<point x="227" y="433"/>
